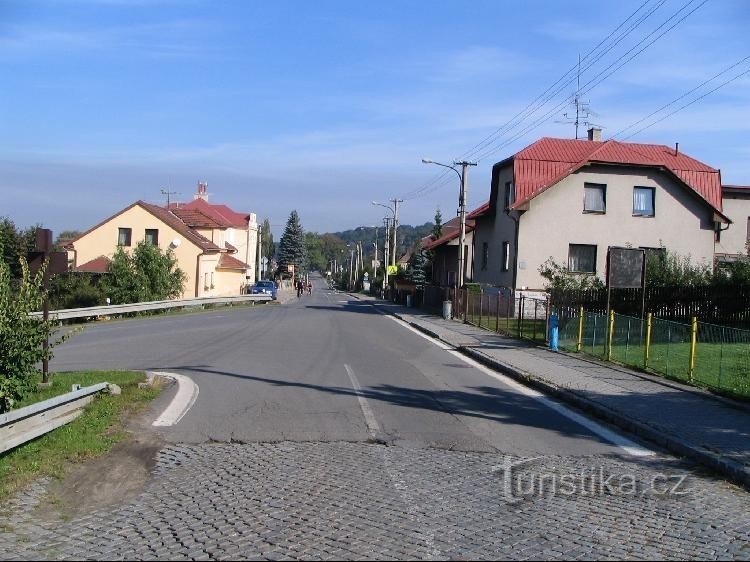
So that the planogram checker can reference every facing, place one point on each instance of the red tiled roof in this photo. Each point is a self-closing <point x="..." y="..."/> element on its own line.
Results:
<point x="230" y="248"/>
<point x="97" y="265"/>
<point x="229" y="262"/>
<point x="544" y="163"/>
<point x="479" y="211"/>
<point x="220" y="213"/>
<point x="451" y="235"/>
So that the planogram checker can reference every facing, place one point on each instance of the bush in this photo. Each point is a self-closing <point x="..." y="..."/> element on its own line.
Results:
<point x="75" y="290"/>
<point x="21" y="336"/>
<point x="560" y="278"/>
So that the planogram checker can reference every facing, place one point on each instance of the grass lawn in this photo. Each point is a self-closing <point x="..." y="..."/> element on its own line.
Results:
<point x="93" y="433"/>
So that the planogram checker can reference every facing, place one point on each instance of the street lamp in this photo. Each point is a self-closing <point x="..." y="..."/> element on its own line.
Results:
<point x="463" y="176"/>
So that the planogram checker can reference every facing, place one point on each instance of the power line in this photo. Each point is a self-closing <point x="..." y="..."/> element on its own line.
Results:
<point x="600" y="77"/>
<point x="686" y="94"/>
<point x="689" y="103"/>
<point x="530" y="108"/>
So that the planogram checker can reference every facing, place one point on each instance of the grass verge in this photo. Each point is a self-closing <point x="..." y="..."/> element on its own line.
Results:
<point x="93" y="433"/>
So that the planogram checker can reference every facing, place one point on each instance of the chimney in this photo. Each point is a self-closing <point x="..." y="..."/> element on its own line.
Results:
<point x="202" y="193"/>
<point x="676" y="148"/>
<point x="595" y="134"/>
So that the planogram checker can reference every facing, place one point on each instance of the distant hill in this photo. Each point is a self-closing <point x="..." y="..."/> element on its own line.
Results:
<point x="407" y="236"/>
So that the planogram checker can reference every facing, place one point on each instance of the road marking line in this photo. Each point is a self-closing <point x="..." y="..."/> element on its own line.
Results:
<point x="630" y="447"/>
<point x="187" y="393"/>
<point x="372" y="424"/>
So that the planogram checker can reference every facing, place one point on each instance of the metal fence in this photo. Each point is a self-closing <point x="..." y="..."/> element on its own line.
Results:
<point x="519" y="316"/>
<point x="707" y="355"/>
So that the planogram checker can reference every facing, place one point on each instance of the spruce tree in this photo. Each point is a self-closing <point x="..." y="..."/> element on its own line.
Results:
<point x="292" y="245"/>
<point x="437" y="230"/>
<point x="416" y="273"/>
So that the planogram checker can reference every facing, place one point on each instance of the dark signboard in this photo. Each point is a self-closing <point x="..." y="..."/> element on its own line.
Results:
<point x="625" y="267"/>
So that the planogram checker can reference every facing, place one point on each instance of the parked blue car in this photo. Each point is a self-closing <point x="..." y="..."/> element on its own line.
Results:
<point x="264" y="288"/>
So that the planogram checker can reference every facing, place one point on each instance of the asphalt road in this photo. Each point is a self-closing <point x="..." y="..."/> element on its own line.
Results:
<point x="324" y="429"/>
<point x="288" y="373"/>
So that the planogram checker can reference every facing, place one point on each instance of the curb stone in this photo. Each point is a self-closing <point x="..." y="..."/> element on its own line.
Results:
<point x="735" y="471"/>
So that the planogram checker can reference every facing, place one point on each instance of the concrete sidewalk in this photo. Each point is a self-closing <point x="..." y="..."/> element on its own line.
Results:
<point x="690" y="422"/>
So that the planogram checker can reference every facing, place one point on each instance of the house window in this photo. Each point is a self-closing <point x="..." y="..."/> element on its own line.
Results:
<point x="595" y="198"/>
<point x="124" y="236"/>
<point x="582" y="258"/>
<point x="643" y="201"/>
<point x="506" y="256"/>
<point x="485" y="254"/>
<point x="152" y="236"/>
<point x="510" y="194"/>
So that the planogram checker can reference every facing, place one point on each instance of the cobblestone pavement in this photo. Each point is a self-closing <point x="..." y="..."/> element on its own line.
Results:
<point x="348" y="500"/>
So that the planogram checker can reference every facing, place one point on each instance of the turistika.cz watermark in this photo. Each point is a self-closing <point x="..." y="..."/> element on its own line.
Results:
<point x="520" y="483"/>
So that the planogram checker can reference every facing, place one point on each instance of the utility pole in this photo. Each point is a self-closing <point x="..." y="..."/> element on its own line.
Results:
<point x="395" y="228"/>
<point x="386" y="249"/>
<point x="462" y="214"/>
<point x="351" y="267"/>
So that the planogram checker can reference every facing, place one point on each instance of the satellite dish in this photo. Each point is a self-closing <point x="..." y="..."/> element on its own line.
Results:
<point x="176" y="242"/>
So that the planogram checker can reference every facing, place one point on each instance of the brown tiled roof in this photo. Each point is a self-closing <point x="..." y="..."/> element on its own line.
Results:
<point x="229" y="262"/>
<point x="169" y="218"/>
<point x="97" y="265"/>
<point x="232" y="249"/>
<point x="196" y="218"/>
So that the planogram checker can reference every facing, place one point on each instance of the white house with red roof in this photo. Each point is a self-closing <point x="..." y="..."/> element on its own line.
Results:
<point x="215" y="246"/>
<point x="734" y="240"/>
<point x="445" y="252"/>
<point x="572" y="199"/>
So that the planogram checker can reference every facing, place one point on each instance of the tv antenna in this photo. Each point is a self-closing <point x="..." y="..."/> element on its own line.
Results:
<point x="167" y="193"/>
<point x="582" y="107"/>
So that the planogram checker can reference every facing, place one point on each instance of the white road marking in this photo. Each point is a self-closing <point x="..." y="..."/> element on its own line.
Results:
<point x="414" y="508"/>
<point x="187" y="393"/>
<point x="627" y="445"/>
<point x="372" y="424"/>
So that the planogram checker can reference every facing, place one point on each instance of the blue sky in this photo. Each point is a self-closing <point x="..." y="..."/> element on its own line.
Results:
<point x="324" y="106"/>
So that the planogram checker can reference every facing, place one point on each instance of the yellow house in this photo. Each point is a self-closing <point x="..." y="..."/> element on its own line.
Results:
<point x="215" y="246"/>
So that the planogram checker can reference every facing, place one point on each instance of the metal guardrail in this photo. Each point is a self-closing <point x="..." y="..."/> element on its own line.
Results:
<point x="109" y="310"/>
<point x="27" y="423"/>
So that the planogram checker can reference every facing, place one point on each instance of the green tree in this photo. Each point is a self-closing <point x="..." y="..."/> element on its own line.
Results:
<point x="267" y="247"/>
<point x="147" y="275"/>
<point x="665" y="268"/>
<point x="15" y="243"/>
<point x="437" y="230"/>
<point x="417" y="270"/>
<point x="292" y="245"/>
<point x="316" y="259"/>
<point x="75" y="290"/>
<point x="21" y="336"/>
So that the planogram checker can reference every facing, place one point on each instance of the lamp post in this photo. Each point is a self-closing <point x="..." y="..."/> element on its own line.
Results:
<point x="463" y="176"/>
<point x="394" y="210"/>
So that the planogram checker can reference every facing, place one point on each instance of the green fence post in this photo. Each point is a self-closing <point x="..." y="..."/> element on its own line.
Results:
<point x="579" y="345"/>
<point x="610" y="333"/>
<point x="721" y="355"/>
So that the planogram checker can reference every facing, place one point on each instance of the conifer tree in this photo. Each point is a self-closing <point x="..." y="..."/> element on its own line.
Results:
<point x="437" y="230"/>
<point x="292" y="245"/>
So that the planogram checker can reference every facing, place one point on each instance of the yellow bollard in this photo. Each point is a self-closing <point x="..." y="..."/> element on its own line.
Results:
<point x="693" y="346"/>
<point x="579" y="345"/>
<point x="610" y="333"/>
<point x="647" y="347"/>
